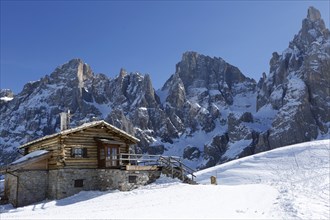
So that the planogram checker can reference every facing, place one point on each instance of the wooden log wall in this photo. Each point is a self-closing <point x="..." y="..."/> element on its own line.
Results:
<point x="52" y="145"/>
<point x="86" y="139"/>
<point x="40" y="165"/>
<point x="61" y="147"/>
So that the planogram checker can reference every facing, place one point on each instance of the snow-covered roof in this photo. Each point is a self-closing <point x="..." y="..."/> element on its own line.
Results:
<point x="22" y="162"/>
<point x="84" y="126"/>
<point x="30" y="156"/>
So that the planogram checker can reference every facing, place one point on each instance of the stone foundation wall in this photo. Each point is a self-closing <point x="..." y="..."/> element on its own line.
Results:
<point x="62" y="182"/>
<point x="125" y="180"/>
<point x="35" y="186"/>
<point x="67" y="182"/>
<point x="31" y="186"/>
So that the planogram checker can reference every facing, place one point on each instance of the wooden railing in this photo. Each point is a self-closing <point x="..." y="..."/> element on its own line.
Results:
<point x="142" y="159"/>
<point x="171" y="164"/>
<point x="177" y="168"/>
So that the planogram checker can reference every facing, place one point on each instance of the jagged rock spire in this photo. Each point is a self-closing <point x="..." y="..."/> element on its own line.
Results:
<point x="313" y="29"/>
<point x="122" y="73"/>
<point x="313" y="14"/>
<point x="296" y="86"/>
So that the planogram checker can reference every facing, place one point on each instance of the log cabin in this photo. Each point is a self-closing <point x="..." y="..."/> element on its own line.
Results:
<point x="93" y="156"/>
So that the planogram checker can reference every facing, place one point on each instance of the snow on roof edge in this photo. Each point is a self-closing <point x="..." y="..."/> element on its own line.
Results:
<point x="85" y="125"/>
<point x="29" y="156"/>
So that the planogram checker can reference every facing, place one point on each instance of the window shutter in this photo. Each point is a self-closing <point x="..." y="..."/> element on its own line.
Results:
<point x="72" y="152"/>
<point x="84" y="153"/>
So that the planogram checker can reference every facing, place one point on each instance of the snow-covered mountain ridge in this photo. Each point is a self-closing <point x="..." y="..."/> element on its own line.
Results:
<point x="287" y="183"/>
<point x="208" y="112"/>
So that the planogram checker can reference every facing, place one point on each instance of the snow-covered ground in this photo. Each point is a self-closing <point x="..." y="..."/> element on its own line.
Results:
<point x="299" y="173"/>
<point x="286" y="183"/>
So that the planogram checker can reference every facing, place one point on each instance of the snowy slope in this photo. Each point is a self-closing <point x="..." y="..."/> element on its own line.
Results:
<point x="300" y="173"/>
<point x="290" y="182"/>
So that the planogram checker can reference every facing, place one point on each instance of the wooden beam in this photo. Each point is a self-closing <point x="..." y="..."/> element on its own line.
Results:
<point x="140" y="168"/>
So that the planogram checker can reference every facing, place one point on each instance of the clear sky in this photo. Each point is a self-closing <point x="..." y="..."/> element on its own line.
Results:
<point x="144" y="36"/>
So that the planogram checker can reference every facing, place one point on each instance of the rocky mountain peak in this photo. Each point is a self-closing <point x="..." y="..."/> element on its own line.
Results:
<point x="75" y="68"/>
<point x="296" y="86"/>
<point x="75" y="61"/>
<point x="313" y="30"/>
<point x="313" y="14"/>
<point x="73" y="74"/>
<point x="206" y="111"/>
<point x="190" y="56"/>
<point x="313" y="20"/>
<point x="199" y="71"/>
<point x="122" y="73"/>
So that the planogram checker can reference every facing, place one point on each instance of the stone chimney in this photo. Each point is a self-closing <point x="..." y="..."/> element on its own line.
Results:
<point x="65" y="120"/>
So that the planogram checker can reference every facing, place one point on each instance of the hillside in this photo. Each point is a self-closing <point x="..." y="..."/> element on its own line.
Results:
<point x="207" y="112"/>
<point x="287" y="183"/>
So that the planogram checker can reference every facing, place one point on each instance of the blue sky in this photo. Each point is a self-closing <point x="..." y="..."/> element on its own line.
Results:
<point x="144" y="36"/>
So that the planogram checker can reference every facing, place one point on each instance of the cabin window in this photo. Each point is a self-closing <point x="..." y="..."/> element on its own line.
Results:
<point x="79" y="152"/>
<point x="79" y="183"/>
<point x="132" y="179"/>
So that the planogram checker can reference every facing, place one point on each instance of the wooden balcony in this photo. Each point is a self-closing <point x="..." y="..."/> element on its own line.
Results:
<point x="170" y="165"/>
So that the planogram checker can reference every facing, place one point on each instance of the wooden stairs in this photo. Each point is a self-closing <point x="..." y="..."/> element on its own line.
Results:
<point x="174" y="168"/>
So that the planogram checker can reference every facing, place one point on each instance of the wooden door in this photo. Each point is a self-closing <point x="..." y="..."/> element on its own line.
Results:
<point x="112" y="155"/>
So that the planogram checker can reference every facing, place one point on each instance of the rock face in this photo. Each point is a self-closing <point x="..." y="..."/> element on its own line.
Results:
<point x="207" y="112"/>
<point x="199" y="98"/>
<point x="298" y="87"/>
<point x="33" y="113"/>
